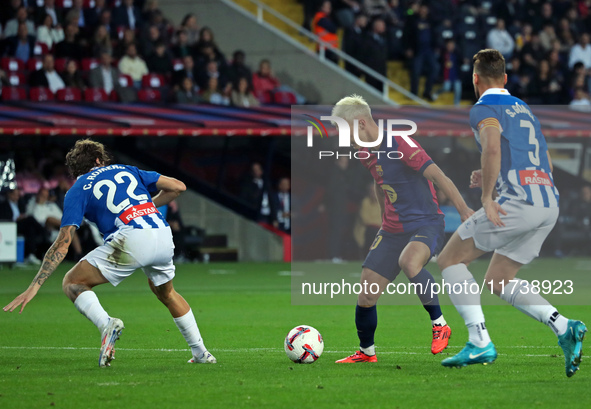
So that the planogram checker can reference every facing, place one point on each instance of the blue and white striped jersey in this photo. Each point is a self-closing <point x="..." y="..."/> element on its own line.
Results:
<point x="525" y="170"/>
<point x="113" y="197"/>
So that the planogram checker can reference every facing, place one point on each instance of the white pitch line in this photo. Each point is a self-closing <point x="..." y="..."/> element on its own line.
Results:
<point x="250" y="350"/>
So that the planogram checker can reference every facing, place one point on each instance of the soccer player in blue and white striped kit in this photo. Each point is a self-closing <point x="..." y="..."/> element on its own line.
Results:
<point x="519" y="209"/>
<point x="117" y="198"/>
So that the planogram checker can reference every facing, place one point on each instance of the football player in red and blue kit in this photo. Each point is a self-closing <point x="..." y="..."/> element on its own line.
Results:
<point x="412" y="228"/>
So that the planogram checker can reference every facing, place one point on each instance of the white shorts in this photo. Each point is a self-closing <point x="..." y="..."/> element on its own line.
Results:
<point x="129" y="249"/>
<point x="526" y="228"/>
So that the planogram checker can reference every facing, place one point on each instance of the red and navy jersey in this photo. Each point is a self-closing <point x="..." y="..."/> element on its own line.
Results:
<point x="410" y="199"/>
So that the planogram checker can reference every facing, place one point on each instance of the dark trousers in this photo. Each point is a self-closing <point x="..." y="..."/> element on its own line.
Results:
<point x="423" y="62"/>
<point x="33" y="232"/>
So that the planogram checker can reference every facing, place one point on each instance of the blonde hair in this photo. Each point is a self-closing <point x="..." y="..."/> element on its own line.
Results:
<point x="352" y="107"/>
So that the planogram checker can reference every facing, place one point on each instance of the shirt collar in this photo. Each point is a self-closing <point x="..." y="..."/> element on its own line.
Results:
<point x="495" y="91"/>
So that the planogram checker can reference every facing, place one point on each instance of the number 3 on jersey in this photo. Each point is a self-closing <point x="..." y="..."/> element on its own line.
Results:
<point x="112" y="190"/>
<point x="534" y="157"/>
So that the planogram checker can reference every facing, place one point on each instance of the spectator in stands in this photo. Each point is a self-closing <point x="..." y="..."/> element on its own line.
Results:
<point x="106" y="77"/>
<point x="326" y="29"/>
<point x="157" y="19"/>
<point x="420" y="41"/>
<point x="548" y="36"/>
<point x="149" y="41"/>
<point x="214" y="94"/>
<point x="451" y="62"/>
<point x="12" y="25"/>
<point x="254" y="190"/>
<point x="12" y="209"/>
<point x="211" y="71"/>
<point x="47" y="76"/>
<point x="579" y="77"/>
<point x="49" y="34"/>
<point x="263" y="81"/>
<point x="190" y="26"/>
<point x="206" y="53"/>
<point x="581" y="101"/>
<point x="207" y="41"/>
<point x="127" y="15"/>
<point x="531" y="53"/>
<point x="159" y="60"/>
<point x="76" y="15"/>
<point x="101" y="41"/>
<point x="581" y="52"/>
<point x="375" y="52"/>
<point x="238" y="68"/>
<point x="8" y="10"/>
<point x="70" y="48"/>
<point x="72" y="77"/>
<point x="547" y="88"/>
<point x="188" y="71"/>
<point x="282" y="200"/>
<point x="242" y="95"/>
<point x="181" y="49"/>
<point x="187" y="93"/>
<point x="49" y="215"/>
<point x="28" y="177"/>
<point x="93" y="14"/>
<point x="500" y="39"/>
<point x="353" y="42"/>
<point x="105" y="19"/>
<point x="131" y="64"/>
<point x="128" y="38"/>
<point x="49" y="8"/>
<point x="344" y="12"/>
<point x="22" y="45"/>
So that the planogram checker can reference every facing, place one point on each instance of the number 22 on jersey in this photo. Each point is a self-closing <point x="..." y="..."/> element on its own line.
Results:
<point x="112" y="190"/>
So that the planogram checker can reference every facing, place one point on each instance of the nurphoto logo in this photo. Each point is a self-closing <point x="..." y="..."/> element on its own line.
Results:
<point x="391" y="130"/>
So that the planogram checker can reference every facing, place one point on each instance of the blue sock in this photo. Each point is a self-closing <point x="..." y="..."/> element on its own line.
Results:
<point x="366" y="320"/>
<point x="430" y="303"/>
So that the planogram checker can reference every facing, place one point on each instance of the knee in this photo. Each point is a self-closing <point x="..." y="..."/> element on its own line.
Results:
<point x="410" y="265"/>
<point x="367" y="300"/>
<point x="444" y="260"/>
<point x="163" y="293"/>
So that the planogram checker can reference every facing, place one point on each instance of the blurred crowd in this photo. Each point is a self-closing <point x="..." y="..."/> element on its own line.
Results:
<point x="546" y="43"/>
<point x="123" y="50"/>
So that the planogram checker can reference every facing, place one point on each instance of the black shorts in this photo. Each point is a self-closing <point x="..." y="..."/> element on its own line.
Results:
<point x="386" y="249"/>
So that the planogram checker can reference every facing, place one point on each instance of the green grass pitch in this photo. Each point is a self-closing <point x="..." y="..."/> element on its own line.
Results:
<point x="49" y="354"/>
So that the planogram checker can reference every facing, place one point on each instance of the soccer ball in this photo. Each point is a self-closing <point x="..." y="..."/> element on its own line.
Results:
<point x="304" y="344"/>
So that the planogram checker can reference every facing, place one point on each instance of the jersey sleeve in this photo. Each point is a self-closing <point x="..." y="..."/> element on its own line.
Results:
<point x="415" y="158"/>
<point x="74" y="207"/>
<point x="482" y="116"/>
<point x="149" y="179"/>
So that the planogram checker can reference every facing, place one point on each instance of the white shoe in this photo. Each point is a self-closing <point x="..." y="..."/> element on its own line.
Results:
<point x="205" y="358"/>
<point x="111" y="334"/>
<point x="32" y="259"/>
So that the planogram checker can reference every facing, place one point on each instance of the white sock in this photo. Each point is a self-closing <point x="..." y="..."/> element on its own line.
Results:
<point x="439" y="321"/>
<point x="520" y="294"/>
<point x="467" y="302"/>
<point x="89" y="306"/>
<point x="188" y="327"/>
<point x="369" y="351"/>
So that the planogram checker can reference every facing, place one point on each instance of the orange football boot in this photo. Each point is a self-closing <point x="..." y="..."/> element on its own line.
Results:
<point x="358" y="356"/>
<point x="441" y="335"/>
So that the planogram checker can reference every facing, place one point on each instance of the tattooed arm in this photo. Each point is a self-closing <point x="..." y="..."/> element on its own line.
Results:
<point x="52" y="259"/>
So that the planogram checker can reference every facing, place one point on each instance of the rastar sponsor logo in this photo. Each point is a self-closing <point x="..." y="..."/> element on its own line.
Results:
<point x="137" y="211"/>
<point x="534" y="177"/>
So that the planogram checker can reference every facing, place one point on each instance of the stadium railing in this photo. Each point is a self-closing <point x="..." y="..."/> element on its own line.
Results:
<point x="388" y="84"/>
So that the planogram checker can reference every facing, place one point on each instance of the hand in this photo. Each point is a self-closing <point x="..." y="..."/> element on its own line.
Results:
<point x="492" y="210"/>
<point x="476" y="179"/>
<point x="466" y="213"/>
<point x="23" y="299"/>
